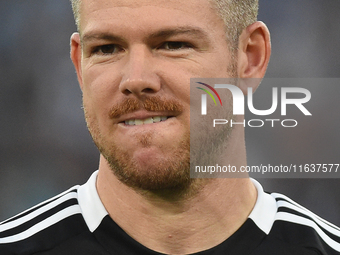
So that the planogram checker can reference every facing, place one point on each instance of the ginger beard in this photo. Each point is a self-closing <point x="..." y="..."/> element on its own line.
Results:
<point x="208" y="145"/>
<point x="170" y="171"/>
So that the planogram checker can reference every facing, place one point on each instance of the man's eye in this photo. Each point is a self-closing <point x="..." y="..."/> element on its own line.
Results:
<point x="107" y="49"/>
<point x="175" y="45"/>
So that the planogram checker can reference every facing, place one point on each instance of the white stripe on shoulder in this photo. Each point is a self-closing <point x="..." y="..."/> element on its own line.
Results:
<point x="334" y="231"/>
<point x="71" y="210"/>
<point x="264" y="210"/>
<point x="91" y="206"/>
<point x="32" y="215"/>
<point x="44" y="202"/>
<point x="283" y="216"/>
<point x="304" y="210"/>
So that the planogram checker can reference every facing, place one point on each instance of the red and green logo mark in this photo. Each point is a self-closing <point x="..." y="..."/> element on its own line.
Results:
<point x="209" y="93"/>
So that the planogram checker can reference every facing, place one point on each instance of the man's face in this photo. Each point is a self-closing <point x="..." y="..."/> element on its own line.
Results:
<point x="137" y="60"/>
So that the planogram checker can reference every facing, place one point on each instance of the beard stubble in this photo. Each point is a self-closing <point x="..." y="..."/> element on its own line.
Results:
<point x="169" y="172"/>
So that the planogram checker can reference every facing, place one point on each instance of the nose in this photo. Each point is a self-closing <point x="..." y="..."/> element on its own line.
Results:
<point x="139" y="76"/>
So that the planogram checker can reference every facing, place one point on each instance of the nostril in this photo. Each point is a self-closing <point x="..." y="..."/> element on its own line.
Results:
<point x="148" y="90"/>
<point x="127" y="92"/>
<point x="139" y="86"/>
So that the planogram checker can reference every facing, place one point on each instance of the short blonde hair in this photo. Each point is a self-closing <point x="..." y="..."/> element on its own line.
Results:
<point x="236" y="14"/>
<point x="76" y="11"/>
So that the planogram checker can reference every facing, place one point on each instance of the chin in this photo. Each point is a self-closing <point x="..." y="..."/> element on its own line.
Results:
<point x="148" y="172"/>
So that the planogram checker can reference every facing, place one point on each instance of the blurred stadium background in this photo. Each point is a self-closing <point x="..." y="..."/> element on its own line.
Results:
<point x="44" y="144"/>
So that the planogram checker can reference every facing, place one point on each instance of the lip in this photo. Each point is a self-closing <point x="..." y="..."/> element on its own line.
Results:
<point x="143" y="115"/>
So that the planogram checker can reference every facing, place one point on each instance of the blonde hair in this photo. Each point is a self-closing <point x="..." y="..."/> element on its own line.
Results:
<point x="236" y="14"/>
<point x="76" y="11"/>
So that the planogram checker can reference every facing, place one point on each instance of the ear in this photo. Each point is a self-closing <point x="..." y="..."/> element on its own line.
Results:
<point x="254" y="51"/>
<point x="76" y="56"/>
<point x="253" y="54"/>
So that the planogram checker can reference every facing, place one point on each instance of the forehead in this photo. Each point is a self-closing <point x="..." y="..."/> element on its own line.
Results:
<point x="147" y="14"/>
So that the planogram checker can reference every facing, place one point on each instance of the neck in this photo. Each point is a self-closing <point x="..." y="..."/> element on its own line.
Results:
<point x="181" y="224"/>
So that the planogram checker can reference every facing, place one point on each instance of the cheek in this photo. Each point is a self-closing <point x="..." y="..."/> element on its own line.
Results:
<point x="100" y="87"/>
<point x="175" y="78"/>
<point x="97" y="96"/>
<point x="100" y="82"/>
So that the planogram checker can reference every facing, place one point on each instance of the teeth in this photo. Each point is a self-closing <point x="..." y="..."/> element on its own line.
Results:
<point x="138" y="122"/>
<point x="148" y="121"/>
<point x="156" y="119"/>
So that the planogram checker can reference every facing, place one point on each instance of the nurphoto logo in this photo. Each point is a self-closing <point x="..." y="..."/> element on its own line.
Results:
<point x="239" y="104"/>
<point x="204" y="97"/>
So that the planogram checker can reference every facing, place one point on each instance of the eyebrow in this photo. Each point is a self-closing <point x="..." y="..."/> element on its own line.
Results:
<point x="100" y="36"/>
<point x="194" y="31"/>
<point x="163" y="33"/>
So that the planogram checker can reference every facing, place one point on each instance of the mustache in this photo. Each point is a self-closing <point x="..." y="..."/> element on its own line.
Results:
<point x="151" y="104"/>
